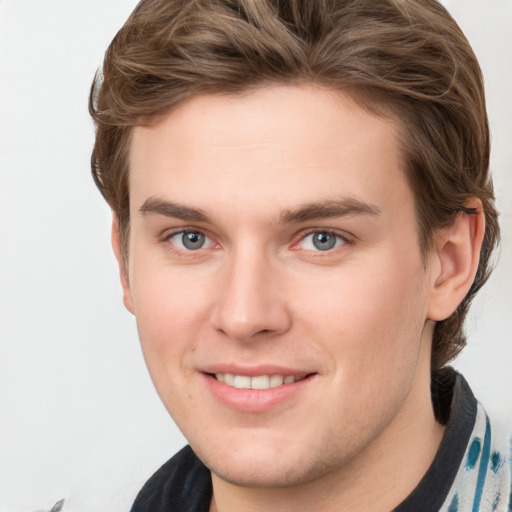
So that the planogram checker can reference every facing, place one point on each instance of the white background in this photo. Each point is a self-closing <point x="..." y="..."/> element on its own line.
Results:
<point x="79" y="418"/>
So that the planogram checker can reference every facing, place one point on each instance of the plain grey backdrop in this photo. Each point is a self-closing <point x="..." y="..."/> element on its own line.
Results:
<point x="79" y="418"/>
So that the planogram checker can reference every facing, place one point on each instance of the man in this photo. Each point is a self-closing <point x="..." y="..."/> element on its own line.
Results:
<point x="302" y="215"/>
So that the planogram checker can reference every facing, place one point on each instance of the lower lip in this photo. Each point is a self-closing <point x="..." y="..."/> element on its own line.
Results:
<point x="255" y="400"/>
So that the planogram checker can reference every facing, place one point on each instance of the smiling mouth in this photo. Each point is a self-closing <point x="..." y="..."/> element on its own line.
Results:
<point x="258" y="381"/>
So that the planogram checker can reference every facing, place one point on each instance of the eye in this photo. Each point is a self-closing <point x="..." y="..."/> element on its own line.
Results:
<point x="190" y="240"/>
<point x="322" y="241"/>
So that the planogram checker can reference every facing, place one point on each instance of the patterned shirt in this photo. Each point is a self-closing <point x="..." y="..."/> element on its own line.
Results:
<point x="483" y="482"/>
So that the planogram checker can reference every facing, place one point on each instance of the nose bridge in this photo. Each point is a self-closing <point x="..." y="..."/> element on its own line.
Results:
<point x="250" y="302"/>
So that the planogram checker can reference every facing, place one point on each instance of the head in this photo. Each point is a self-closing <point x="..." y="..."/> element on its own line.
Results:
<point x="425" y="78"/>
<point x="291" y="183"/>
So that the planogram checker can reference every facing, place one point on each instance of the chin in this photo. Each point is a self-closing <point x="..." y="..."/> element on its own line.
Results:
<point x="270" y="474"/>
<point x="259" y="465"/>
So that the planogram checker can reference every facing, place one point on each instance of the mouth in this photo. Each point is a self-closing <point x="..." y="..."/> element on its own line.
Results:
<point x="259" y="392"/>
<point x="258" y="382"/>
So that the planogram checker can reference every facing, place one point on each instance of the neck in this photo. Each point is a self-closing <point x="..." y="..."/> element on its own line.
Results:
<point x="378" y="479"/>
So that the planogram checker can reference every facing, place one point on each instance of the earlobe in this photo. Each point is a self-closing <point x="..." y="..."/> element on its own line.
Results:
<point x="457" y="255"/>
<point x="123" y="271"/>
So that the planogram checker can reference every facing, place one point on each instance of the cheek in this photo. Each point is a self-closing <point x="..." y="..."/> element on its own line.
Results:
<point x="171" y="310"/>
<point x="170" y="314"/>
<point x="370" y="315"/>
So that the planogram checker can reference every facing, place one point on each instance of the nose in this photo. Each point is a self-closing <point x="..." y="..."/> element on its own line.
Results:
<point x="252" y="302"/>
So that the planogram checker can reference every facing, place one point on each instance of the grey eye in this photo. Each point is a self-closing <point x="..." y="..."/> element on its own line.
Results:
<point x="322" y="241"/>
<point x="193" y="240"/>
<point x="190" y="240"/>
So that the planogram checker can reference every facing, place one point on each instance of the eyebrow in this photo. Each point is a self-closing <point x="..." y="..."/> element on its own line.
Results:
<point x="328" y="209"/>
<point x="310" y="211"/>
<point x="175" y="210"/>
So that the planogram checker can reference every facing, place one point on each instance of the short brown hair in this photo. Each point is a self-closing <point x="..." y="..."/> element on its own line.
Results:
<point x="404" y="58"/>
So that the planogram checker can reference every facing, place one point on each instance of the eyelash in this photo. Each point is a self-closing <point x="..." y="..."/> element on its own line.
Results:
<point x="343" y="238"/>
<point x="183" y="232"/>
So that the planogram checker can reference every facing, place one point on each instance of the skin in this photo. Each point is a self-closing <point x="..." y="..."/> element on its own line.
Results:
<point x="358" y="318"/>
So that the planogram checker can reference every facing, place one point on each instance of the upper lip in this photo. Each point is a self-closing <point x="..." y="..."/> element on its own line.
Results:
<point x="253" y="371"/>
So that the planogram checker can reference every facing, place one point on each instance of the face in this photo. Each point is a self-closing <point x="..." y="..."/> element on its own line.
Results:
<point x="277" y="282"/>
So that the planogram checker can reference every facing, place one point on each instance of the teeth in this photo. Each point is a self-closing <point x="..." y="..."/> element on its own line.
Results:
<point x="260" y="382"/>
<point x="242" y="382"/>
<point x="276" y="380"/>
<point x="257" y="382"/>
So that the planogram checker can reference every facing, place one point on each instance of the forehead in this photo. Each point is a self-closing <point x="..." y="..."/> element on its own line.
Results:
<point x="268" y="149"/>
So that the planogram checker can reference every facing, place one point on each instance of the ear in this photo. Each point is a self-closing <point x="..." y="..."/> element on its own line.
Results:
<point x="455" y="261"/>
<point x="123" y="271"/>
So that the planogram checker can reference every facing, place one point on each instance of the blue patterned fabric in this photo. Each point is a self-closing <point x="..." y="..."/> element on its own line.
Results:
<point x="484" y="480"/>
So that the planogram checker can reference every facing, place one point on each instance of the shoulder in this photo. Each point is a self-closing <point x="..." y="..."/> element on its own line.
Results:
<point x="182" y="483"/>
<point x="484" y="479"/>
<point x="472" y="469"/>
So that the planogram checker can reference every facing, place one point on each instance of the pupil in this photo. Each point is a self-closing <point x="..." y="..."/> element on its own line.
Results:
<point x="193" y="241"/>
<point x="324" y="241"/>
